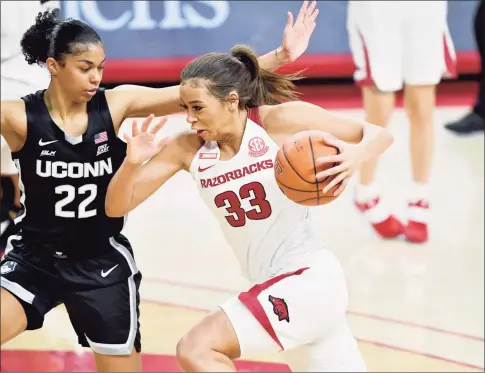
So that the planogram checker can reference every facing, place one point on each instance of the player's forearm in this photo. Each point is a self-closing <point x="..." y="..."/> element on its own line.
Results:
<point x="121" y="190"/>
<point x="273" y="60"/>
<point x="375" y="141"/>
<point x="143" y="101"/>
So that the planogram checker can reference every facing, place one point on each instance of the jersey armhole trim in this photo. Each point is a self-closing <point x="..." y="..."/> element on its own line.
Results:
<point x="104" y="111"/>
<point x="253" y="114"/>
<point x="193" y="162"/>
<point x="28" y="133"/>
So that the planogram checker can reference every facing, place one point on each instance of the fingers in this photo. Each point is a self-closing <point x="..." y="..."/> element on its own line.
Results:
<point x="321" y="176"/>
<point x="328" y="137"/>
<point x="302" y="12"/>
<point x="332" y="159"/>
<point x="289" y="21"/>
<point x="158" y="126"/>
<point x="311" y="13"/>
<point x="342" y="187"/>
<point x="335" y="181"/>
<point x="134" y="128"/>
<point x="146" y="123"/>
<point x="310" y="17"/>
<point x="127" y="138"/>
<point x="322" y="161"/>
<point x="332" y="141"/>
<point x="312" y="21"/>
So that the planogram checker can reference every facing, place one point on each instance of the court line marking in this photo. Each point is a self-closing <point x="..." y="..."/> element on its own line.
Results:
<point x="366" y="341"/>
<point x="390" y="320"/>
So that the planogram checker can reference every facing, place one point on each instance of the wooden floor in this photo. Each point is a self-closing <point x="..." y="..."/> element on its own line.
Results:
<point x="412" y="307"/>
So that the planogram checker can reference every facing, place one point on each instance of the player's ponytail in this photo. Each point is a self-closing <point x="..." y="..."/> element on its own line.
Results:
<point x="51" y="37"/>
<point x="266" y="88"/>
<point x="239" y="70"/>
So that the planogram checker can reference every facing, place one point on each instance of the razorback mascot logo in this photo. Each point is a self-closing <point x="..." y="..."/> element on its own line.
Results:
<point x="280" y="308"/>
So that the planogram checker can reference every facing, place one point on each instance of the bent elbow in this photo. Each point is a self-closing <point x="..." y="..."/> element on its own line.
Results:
<point x="112" y="211"/>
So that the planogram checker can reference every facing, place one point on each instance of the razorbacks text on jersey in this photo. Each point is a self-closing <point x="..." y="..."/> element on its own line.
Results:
<point x="65" y="179"/>
<point x="265" y="229"/>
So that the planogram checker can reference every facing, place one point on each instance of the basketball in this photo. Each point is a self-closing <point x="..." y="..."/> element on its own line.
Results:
<point x="295" y="169"/>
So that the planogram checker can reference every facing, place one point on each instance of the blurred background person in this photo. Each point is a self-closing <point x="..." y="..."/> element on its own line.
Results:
<point x="475" y="120"/>
<point x="18" y="79"/>
<point x="396" y="45"/>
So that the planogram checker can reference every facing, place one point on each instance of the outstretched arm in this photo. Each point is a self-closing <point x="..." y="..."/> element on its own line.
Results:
<point x="129" y="101"/>
<point x="147" y="166"/>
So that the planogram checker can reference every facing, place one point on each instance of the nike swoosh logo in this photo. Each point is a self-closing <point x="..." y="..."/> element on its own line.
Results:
<point x="42" y="143"/>
<point x="104" y="274"/>
<point x="206" y="168"/>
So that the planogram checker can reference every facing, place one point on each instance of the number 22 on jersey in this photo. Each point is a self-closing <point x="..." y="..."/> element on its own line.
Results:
<point x="231" y="201"/>
<point x="61" y="210"/>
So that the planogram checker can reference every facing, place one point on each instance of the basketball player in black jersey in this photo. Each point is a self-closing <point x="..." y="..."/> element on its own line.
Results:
<point x="65" y="145"/>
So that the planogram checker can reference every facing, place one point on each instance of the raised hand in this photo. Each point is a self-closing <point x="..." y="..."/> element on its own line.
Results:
<point x="142" y="144"/>
<point x="297" y="36"/>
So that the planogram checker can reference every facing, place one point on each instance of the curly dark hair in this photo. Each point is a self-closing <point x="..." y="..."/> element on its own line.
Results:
<point x="51" y="37"/>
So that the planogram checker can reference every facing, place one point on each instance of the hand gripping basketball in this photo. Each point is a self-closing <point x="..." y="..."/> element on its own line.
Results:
<point x="348" y="161"/>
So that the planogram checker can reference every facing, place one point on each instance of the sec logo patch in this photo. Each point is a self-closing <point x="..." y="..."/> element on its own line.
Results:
<point x="257" y="147"/>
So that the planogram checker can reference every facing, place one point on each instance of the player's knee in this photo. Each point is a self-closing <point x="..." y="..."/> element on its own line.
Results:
<point x="420" y="115"/>
<point x="378" y="105"/>
<point x="420" y="104"/>
<point x="190" y="351"/>
<point x="13" y="318"/>
<point x="10" y="330"/>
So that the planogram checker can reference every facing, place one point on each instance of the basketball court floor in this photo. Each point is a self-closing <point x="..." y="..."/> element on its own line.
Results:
<point x="412" y="307"/>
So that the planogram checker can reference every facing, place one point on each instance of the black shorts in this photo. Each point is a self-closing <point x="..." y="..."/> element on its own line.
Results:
<point x="101" y="294"/>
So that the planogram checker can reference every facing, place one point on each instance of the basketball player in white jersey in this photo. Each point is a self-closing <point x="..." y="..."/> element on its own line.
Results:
<point x="395" y="45"/>
<point x="299" y="298"/>
<point x="18" y="79"/>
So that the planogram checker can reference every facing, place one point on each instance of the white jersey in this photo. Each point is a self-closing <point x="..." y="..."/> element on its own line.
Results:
<point x="267" y="231"/>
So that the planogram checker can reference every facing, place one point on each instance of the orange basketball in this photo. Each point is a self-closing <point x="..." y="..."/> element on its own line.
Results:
<point x="295" y="169"/>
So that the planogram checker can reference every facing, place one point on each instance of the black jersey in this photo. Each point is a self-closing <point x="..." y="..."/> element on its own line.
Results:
<point x="65" y="179"/>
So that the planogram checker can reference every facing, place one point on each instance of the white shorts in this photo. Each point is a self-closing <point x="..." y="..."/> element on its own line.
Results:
<point x="396" y="42"/>
<point x="302" y="314"/>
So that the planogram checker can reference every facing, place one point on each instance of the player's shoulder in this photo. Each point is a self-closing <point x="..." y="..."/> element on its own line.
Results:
<point x="189" y="140"/>
<point x="14" y="123"/>
<point x="274" y="117"/>
<point x="13" y="113"/>
<point x="10" y="105"/>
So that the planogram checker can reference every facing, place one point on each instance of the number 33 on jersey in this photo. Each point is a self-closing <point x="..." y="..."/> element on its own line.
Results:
<point x="242" y="192"/>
